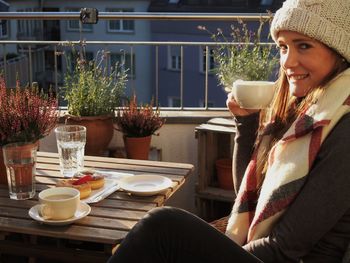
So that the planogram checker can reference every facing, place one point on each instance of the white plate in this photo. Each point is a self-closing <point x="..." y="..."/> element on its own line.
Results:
<point x="145" y="185"/>
<point x="83" y="210"/>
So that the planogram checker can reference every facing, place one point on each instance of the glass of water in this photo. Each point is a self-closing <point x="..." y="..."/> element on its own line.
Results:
<point x="71" y="141"/>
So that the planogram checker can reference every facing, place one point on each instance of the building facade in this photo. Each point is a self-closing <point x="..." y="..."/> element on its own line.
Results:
<point x="43" y="57"/>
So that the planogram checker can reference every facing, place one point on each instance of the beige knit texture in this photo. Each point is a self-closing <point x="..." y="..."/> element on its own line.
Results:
<point x="325" y="20"/>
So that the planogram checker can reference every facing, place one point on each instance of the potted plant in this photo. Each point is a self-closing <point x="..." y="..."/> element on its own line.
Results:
<point x="138" y="124"/>
<point x="242" y="56"/>
<point x="26" y="116"/>
<point x="93" y="91"/>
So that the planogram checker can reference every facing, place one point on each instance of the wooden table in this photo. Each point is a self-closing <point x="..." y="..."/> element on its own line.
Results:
<point x="92" y="238"/>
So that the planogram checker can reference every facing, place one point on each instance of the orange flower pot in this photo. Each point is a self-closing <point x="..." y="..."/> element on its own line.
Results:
<point x="137" y="147"/>
<point x="224" y="173"/>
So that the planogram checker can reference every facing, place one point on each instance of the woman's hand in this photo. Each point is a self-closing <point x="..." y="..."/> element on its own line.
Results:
<point x="235" y="109"/>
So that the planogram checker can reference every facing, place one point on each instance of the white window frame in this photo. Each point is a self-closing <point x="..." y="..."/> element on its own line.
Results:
<point x="202" y="60"/>
<point x="121" y="22"/>
<point x="71" y="28"/>
<point x="173" y="57"/>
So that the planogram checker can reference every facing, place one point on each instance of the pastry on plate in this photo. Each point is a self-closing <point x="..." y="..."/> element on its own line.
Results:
<point x="83" y="187"/>
<point x="93" y="178"/>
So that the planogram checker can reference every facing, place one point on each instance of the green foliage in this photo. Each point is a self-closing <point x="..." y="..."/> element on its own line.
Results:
<point x="92" y="89"/>
<point x="242" y="56"/>
<point x="138" y="121"/>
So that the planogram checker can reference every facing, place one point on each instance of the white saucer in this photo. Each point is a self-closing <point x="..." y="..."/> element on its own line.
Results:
<point x="83" y="210"/>
<point x="145" y="185"/>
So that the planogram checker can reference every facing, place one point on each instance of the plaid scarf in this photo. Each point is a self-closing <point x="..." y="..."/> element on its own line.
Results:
<point x="289" y="161"/>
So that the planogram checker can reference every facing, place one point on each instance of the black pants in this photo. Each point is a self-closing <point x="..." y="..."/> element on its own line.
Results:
<point x="172" y="235"/>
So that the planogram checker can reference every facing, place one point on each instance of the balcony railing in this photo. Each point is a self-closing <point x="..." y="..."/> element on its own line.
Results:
<point x="27" y="47"/>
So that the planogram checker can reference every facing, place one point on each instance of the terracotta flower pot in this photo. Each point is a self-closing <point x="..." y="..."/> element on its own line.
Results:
<point x="224" y="173"/>
<point x="99" y="132"/>
<point x="137" y="147"/>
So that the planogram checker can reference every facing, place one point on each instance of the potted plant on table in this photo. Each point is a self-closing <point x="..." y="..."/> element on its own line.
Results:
<point x="26" y="116"/>
<point x="138" y="124"/>
<point x="93" y="91"/>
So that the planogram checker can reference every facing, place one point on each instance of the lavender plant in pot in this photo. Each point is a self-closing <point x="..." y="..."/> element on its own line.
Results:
<point x="93" y="91"/>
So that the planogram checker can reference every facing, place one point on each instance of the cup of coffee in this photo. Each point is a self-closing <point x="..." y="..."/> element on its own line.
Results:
<point x="59" y="203"/>
<point x="253" y="94"/>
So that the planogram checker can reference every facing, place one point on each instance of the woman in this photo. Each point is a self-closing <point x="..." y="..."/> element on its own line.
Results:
<point x="293" y="204"/>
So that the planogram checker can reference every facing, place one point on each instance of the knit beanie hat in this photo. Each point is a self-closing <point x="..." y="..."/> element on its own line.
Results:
<point x="327" y="21"/>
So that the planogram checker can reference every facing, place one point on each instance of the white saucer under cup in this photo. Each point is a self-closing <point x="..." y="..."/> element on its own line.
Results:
<point x="82" y="211"/>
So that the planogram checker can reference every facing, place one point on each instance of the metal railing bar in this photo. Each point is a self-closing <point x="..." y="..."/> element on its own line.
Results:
<point x="5" y="61"/>
<point x="191" y="109"/>
<point x="159" y="43"/>
<point x="182" y="77"/>
<point x="135" y="16"/>
<point x="206" y="76"/>
<point x="56" y="70"/>
<point x="132" y="67"/>
<point x="30" y="66"/>
<point x="157" y="74"/>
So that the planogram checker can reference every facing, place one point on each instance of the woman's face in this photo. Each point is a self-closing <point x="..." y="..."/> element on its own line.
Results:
<point x="305" y="61"/>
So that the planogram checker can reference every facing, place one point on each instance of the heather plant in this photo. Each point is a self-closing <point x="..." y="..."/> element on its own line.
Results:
<point x="26" y="114"/>
<point x="91" y="88"/>
<point x="138" y="121"/>
<point x="243" y="54"/>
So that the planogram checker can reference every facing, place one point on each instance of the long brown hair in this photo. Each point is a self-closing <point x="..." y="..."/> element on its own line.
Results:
<point x="286" y="108"/>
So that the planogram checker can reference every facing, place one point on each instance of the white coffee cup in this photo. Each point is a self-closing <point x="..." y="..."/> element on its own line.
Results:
<point x="59" y="203"/>
<point x="253" y="94"/>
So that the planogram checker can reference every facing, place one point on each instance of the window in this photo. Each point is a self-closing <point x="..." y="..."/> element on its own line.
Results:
<point x="174" y="57"/>
<point x="126" y="61"/>
<point x="203" y="61"/>
<point x="28" y="28"/>
<point x="120" y="25"/>
<point x="3" y="29"/>
<point x="73" y="25"/>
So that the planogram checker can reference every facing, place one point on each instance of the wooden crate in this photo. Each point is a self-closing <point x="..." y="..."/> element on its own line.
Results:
<point x="215" y="141"/>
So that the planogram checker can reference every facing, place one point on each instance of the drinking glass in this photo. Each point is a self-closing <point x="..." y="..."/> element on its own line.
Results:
<point x="20" y="160"/>
<point x="71" y="141"/>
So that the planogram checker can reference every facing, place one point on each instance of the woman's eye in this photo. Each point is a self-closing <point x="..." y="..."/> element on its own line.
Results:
<point x="304" y="46"/>
<point x="282" y="48"/>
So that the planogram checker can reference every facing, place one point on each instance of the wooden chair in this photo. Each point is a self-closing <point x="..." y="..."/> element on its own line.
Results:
<point x="220" y="224"/>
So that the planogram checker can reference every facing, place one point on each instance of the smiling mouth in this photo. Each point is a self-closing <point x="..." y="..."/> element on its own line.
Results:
<point x="298" y="77"/>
